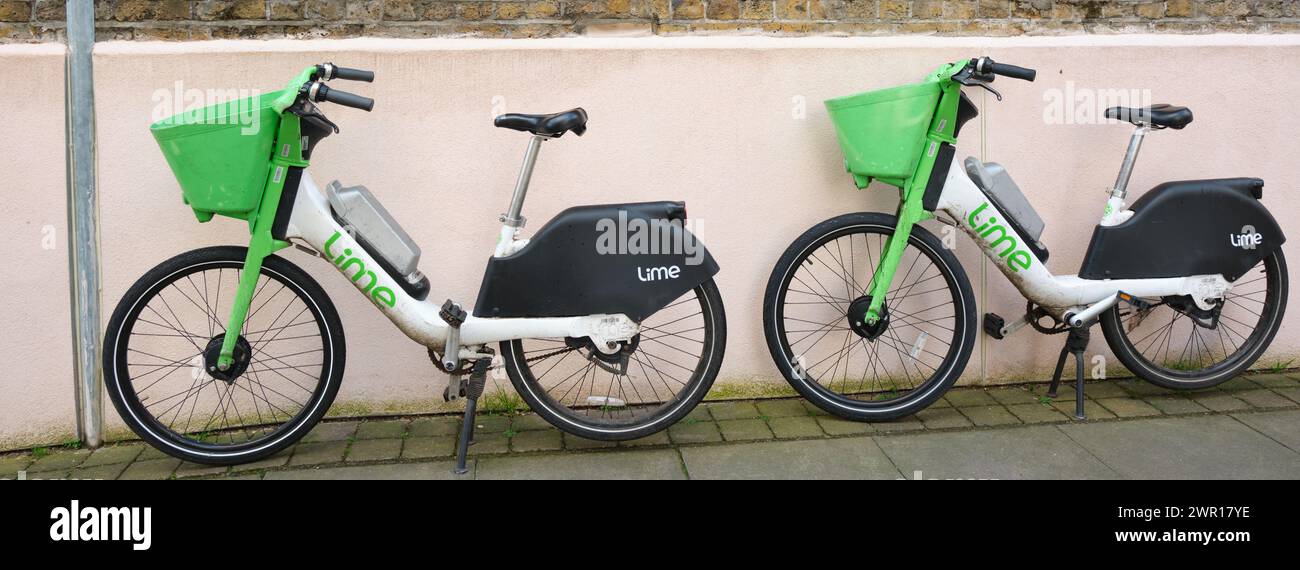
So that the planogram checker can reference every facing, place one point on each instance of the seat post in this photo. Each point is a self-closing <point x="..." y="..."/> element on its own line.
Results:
<point x="1130" y="157"/>
<point x="512" y="217"/>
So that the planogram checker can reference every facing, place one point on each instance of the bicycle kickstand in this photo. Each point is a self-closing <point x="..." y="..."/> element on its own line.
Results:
<point x="1076" y="343"/>
<point x="473" y="389"/>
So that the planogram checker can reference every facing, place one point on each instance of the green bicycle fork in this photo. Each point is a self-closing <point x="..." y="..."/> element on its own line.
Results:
<point x="288" y="154"/>
<point x="911" y="209"/>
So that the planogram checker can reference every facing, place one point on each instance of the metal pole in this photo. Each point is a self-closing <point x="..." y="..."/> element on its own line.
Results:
<point x="83" y="218"/>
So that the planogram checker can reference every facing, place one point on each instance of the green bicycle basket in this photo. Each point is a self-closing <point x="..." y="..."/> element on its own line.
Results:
<point x="221" y="154"/>
<point x="882" y="133"/>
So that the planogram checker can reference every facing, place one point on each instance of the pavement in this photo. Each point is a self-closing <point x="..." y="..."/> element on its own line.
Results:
<point x="1247" y="428"/>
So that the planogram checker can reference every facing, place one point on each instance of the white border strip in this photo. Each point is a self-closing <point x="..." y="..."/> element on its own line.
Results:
<point x="748" y="42"/>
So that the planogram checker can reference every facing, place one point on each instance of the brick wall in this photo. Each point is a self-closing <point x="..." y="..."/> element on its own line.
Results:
<point x="42" y="20"/>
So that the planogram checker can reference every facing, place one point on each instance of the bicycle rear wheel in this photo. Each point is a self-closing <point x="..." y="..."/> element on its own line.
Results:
<point x="652" y="382"/>
<point x="1175" y="344"/>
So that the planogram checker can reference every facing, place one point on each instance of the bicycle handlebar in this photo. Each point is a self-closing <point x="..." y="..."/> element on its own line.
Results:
<point x="321" y="92"/>
<point x="987" y="65"/>
<point x="330" y="71"/>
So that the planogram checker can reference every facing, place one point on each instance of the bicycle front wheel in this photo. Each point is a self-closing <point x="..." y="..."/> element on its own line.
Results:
<point x="812" y="317"/>
<point x="164" y="338"/>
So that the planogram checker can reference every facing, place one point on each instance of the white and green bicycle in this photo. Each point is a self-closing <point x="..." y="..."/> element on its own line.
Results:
<point x="870" y="317"/>
<point x="605" y="344"/>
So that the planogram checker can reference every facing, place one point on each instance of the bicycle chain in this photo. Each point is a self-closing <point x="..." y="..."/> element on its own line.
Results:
<point x="466" y="366"/>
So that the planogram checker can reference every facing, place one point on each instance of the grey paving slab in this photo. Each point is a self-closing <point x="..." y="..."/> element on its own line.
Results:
<point x="1177" y="404"/>
<point x="1143" y="388"/>
<point x="1219" y="401"/>
<point x="1128" y="407"/>
<point x="318" y="452"/>
<point x="489" y="444"/>
<point x="837" y="426"/>
<point x="843" y="458"/>
<point x="969" y="397"/>
<point x="733" y="411"/>
<point x="59" y="460"/>
<point x="427" y="447"/>
<point x="10" y="465"/>
<point x="388" y="429"/>
<point x="374" y="450"/>
<point x="1099" y="390"/>
<point x="1237" y="384"/>
<point x="1197" y="447"/>
<point x="1292" y="394"/>
<point x="744" y="430"/>
<point x="1014" y="395"/>
<point x="990" y="416"/>
<point x="151" y="469"/>
<point x="909" y="423"/>
<point x="529" y="422"/>
<point x="576" y="443"/>
<point x="1264" y="399"/>
<point x="537" y="440"/>
<point x="440" y="470"/>
<point x="1036" y="413"/>
<point x="1034" y="452"/>
<point x="1276" y="381"/>
<point x="113" y="455"/>
<point x="694" y="432"/>
<point x="433" y="427"/>
<point x="781" y="408"/>
<point x="107" y="471"/>
<point x="331" y="431"/>
<point x="1284" y="427"/>
<point x="1091" y="409"/>
<point x="647" y="464"/>
<point x="277" y="460"/>
<point x="795" y="427"/>
<point x="657" y="438"/>
<point x="943" y="418"/>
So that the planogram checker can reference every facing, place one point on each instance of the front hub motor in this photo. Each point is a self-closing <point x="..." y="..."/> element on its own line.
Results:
<point x="243" y="353"/>
<point x="857" y="318"/>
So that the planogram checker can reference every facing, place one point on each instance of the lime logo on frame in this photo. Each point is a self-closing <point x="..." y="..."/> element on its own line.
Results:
<point x="345" y="262"/>
<point x="125" y="524"/>
<point x="1016" y="259"/>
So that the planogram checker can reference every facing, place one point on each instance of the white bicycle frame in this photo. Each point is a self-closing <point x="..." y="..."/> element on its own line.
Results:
<point x="313" y="223"/>
<point x="1070" y="298"/>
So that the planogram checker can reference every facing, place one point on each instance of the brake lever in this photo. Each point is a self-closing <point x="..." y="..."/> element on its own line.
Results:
<point x="990" y="89"/>
<point x="965" y="78"/>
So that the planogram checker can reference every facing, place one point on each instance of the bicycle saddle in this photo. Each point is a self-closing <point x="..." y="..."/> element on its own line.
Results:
<point x="1160" y="115"/>
<point x="553" y="125"/>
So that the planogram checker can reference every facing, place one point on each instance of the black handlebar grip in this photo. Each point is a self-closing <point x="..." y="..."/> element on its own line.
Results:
<point x="324" y="93"/>
<point x="354" y="74"/>
<point x="1012" y="71"/>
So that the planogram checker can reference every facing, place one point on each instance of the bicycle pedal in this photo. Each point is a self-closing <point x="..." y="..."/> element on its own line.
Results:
<point x="452" y="313"/>
<point x="993" y="325"/>
<point x="1138" y="303"/>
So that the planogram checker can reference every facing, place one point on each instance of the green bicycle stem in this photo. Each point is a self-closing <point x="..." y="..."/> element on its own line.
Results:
<point x="911" y="190"/>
